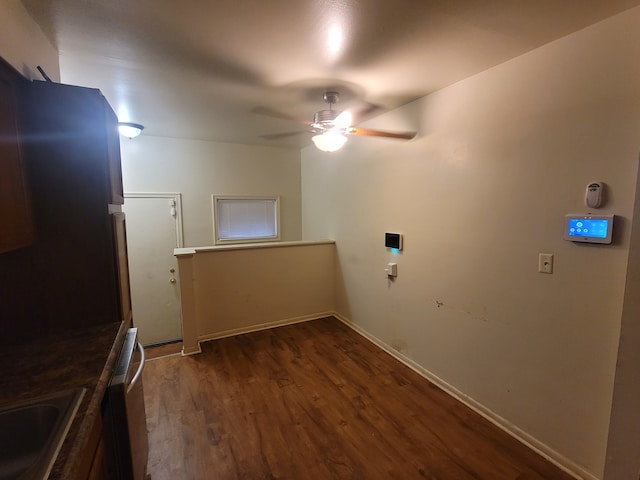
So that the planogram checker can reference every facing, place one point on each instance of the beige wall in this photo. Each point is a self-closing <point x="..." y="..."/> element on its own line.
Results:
<point x="24" y="45"/>
<point x="623" y="450"/>
<point x="198" y="169"/>
<point x="235" y="289"/>
<point x="500" y="159"/>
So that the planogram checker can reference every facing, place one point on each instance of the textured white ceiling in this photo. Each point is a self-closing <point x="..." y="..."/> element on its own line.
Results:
<point x="199" y="68"/>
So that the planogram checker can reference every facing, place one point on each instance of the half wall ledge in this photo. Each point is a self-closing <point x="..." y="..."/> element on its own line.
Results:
<point x="231" y="289"/>
<point x="178" y="252"/>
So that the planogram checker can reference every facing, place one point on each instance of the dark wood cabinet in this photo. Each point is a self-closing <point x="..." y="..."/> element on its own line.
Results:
<point x="16" y="224"/>
<point x="75" y="272"/>
<point x="122" y="264"/>
<point x="92" y="463"/>
<point x="60" y="178"/>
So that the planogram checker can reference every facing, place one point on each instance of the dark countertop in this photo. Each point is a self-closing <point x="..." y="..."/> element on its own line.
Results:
<point x="77" y="358"/>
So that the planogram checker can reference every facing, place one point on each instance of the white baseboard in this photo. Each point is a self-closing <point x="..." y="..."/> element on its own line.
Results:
<point x="554" y="457"/>
<point x="191" y="350"/>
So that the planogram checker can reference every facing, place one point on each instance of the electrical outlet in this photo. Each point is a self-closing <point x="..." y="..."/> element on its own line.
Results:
<point x="545" y="262"/>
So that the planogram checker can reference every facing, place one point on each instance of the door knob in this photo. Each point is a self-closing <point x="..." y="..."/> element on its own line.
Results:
<point x="172" y="280"/>
<point x="172" y="270"/>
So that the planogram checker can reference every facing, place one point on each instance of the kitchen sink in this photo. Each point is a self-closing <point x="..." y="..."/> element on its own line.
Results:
<point x="32" y="432"/>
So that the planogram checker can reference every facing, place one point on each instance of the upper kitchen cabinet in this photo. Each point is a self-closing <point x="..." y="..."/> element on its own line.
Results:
<point x="74" y="274"/>
<point x="73" y="137"/>
<point x="16" y="228"/>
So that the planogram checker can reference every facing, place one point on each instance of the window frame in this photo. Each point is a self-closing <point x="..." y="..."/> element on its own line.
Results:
<point x="215" y="216"/>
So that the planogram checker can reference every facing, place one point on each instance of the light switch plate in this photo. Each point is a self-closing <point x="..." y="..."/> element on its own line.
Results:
<point x="545" y="262"/>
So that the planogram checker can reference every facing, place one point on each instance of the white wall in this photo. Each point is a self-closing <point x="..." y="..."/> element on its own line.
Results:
<point x="198" y="169"/>
<point x="500" y="158"/>
<point x="24" y="45"/>
<point x="623" y="449"/>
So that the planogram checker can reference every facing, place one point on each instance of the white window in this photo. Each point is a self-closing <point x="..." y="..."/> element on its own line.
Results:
<point x="245" y="219"/>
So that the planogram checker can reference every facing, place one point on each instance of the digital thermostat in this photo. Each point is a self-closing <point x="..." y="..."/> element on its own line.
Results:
<point x="588" y="228"/>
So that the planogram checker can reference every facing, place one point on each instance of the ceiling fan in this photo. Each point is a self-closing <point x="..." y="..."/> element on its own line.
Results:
<point x="331" y="127"/>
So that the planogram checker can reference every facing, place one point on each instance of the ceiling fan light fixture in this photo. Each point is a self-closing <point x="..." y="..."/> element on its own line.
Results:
<point x="130" y="130"/>
<point x="329" y="141"/>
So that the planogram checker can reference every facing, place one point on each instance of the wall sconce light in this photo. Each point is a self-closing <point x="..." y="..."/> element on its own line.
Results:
<point x="130" y="130"/>
<point x="329" y="141"/>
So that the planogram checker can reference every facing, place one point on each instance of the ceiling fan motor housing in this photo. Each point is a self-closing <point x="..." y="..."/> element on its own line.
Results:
<point x="325" y="118"/>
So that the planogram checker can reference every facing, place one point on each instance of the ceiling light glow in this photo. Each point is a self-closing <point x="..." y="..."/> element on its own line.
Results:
<point x="130" y="130"/>
<point x="329" y="141"/>
<point x="344" y="120"/>
<point x="335" y="41"/>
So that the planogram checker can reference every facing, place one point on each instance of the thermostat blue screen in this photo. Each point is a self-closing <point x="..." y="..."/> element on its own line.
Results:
<point x="581" y="227"/>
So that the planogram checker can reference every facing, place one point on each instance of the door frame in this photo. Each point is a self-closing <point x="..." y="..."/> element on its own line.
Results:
<point x="177" y="197"/>
<point x="179" y="235"/>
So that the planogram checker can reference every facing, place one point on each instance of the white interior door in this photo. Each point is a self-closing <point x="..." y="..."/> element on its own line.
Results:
<point x="154" y="229"/>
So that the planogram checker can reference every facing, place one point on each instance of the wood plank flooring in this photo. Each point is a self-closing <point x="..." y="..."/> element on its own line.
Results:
<point x="156" y="351"/>
<point x="317" y="401"/>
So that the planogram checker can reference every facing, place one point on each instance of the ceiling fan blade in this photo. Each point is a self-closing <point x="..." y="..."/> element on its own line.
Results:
<point x="277" y="136"/>
<point x="276" y="114"/>
<point x="380" y="133"/>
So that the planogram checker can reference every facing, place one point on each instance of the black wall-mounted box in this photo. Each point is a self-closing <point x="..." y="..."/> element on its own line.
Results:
<point x="393" y="240"/>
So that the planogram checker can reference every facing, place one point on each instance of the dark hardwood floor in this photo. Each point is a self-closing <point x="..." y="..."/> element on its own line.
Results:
<point x="157" y="351"/>
<point x="316" y="401"/>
